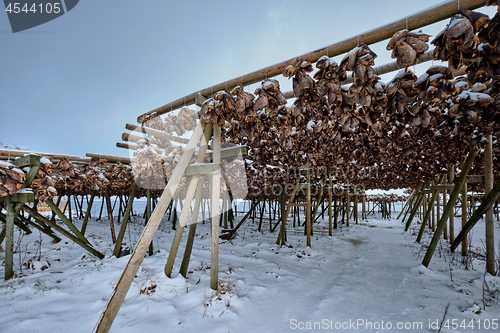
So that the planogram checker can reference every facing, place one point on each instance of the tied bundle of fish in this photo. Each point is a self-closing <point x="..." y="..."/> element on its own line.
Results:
<point x="44" y="185"/>
<point x="148" y="166"/>
<point x="486" y="65"/>
<point x="11" y="179"/>
<point x="408" y="47"/>
<point x="67" y="176"/>
<point x="458" y="42"/>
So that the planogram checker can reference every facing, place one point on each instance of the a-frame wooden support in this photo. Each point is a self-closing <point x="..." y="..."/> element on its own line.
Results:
<point x="151" y="227"/>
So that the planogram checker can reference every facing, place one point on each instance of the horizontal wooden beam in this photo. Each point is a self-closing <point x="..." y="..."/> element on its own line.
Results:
<point x="232" y="152"/>
<point x="20" y="197"/>
<point x="296" y="205"/>
<point x="203" y="169"/>
<point x="20" y="153"/>
<point x="27" y="160"/>
<point x="109" y="158"/>
<point x="130" y="146"/>
<point x="158" y="134"/>
<point x="432" y="15"/>
<point x="474" y="179"/>
<point x="441" y="187"/>
<point x="303" y="186"/>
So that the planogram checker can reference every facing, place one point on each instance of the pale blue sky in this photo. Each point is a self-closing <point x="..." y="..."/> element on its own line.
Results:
<point x="70" y="86"/>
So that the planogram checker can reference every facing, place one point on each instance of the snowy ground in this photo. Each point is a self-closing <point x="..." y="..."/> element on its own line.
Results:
<point x="364" y="278"/>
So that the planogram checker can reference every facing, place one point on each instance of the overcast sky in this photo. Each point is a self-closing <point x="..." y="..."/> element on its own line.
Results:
<point x="69" y="86"/>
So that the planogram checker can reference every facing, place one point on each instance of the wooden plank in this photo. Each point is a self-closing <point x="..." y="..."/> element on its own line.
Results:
<point x="296" y="204"/>
<point x="126" y="217"/>
<point x="305" y="172"/>
<point x="441" y="187"/>
<point x="232" y="152"/>
<point x="448" y="210"/>
<point x="137" y="256"/>
<point x="27" y="160"/>
<point x="412" y="22"/>
<point x="110" y="218"/>
<point x="203" y="169"/>
<point x="61" y="230"/>
<point x="475" y="179"/>
<point x="20" y="197"/>
<point x="330" y="225"/>
<point x="303" y="186"/>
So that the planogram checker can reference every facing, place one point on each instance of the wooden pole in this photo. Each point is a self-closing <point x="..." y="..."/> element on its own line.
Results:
<point x="488" y="202"/>
<point x="110" y="217"/>
<point x="347" y="207"/>
<point x="283" y="214"/>
<point x="148" y="216"/>
<point x="126" y="217"/>
<point x="87" y="213"/>
<point x="9" y="239"/>
<point x="489" y="226"/>
<point x="464" y="217"/>
<point x="192" y="230"/>
<point x="448" y="210"/>
<point x="363" y="207"/>
<point x="214" y="266"/>
<point x="451" y="179"/>
<point x="330" y="217"/>
<point x="308" y="209"/>
<point x="426" y="217"/>
<point x="137" y="256"/>
<point x="423" y="18"/>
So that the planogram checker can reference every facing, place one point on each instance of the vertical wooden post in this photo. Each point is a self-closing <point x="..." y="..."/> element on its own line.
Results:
<point x="489" y="226"/>
<point x="70" y="212"/>
<point x="308" y="209"/>
<point x="356" y="207"/>
<point x="338" y="203"/>
<point x="433" y="215"/>
<point x="214" y="267"/>
<point x="330" y="193"/>
<point x="451" y="179"/>
<point x="448" y="210"/>
<point x="9" y="239"/>
<point x="110" y="216"/>
<point x="87" y="213"/>
<point x="192" y="230"/>
<point x="148" y="216"/>
<point x="363" y="207"/>
<point x="347" y="207"/>
<point x="464" y="217"/>
<point x="126" y="217"/>
<point x="283" y="214"/>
